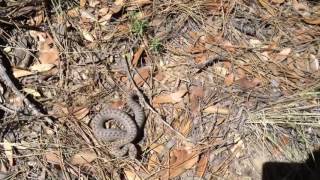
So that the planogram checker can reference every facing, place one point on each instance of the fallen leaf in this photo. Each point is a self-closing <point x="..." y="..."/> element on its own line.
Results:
<point x="42" y="67"/>
<point x="74" y="12"/>
<point x="202" y="164"/>
<point x="117" y="6"/>
<point x="93" y="3"/>
<point x="200" y="58"/>
<point x="170" y="98"/>
<point x="53" y="157"/>
<point x="104" y="20"/>
<point x="87" y="15"/>
<point x="131" y="175"/>
<point x="268" y="7"/>
<point x="21" y="73"/>
<point x="282" y="55"/>
<point x="301" y="8"/>
<point x="37" y="19"/>
<point x="160" y="76"/>
<point x="180" y="161"/>
<point x="153" y="162"/>
<point x="158" y="148"/>
<point x="314" y="21"/>
<point x="48" y="53"/>
<point x="196" y="92"/>
<point x="246" y="84"/>
<point x="220" y="71"/>
<point x="32" y="92"/>
<point x="80" y="112"/>
<point x="8" y="151"/>
<point x="139" y="2"/>
<point x="137" y="55"/>
<point x="143" y="74"/>
<point x="82" y="3"/>
<point x="216" y="109"/>
<point x="84" y="157"/>
<point x="87" y="36"/>
<point x="278" y="1"/>
<point x="229" y="79"/>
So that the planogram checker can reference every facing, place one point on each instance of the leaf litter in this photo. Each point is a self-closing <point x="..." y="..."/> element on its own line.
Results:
<point x="230" y="85"/>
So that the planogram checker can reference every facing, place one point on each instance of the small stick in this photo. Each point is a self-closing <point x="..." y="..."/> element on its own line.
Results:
<point x="141" y="96"/>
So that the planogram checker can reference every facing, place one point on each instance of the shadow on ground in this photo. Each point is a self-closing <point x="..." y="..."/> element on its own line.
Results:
<point x="309" y="170"/>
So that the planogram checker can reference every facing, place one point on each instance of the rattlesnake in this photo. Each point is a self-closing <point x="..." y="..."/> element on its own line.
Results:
<point x="121" y="140"/>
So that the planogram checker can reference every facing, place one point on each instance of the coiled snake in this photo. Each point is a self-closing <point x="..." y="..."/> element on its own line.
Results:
<point x="121" y="140"/>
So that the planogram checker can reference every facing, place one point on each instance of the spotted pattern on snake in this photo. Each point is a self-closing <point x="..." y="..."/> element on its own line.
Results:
<point x="121" y="140"/>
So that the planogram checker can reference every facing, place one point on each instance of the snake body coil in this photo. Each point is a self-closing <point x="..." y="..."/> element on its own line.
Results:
<point x="121" y="140"/>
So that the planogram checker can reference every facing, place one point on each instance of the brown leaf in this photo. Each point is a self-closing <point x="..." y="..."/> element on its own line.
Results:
<point x="314" y="21"/>
<point x="8" y="151"/>
<point x="278" y="1"/>
<point x="21" y="73"/>
<point x="200" y="58"/>
<point x="131" y="175"/>
<point x="160" y="76"/>
<point x="180" y="161"/>
<point x="137" y="55"/>
<point x="246" y="84"/>
<point x="229" y="79"/>
<point x="80" y="112"/>
<point x="216" y="109"/>
<point x="48" y="53"/>
<point x="143" y="74"/>
<point x="53" y="157"/>
<point x="84" y="157"/>
<point x="202" y="165"/>
<point x="117" y="6"/>
<point x="82" y="3"/>
<point x="41" y="67"/>
<point x="196" y="92"/>
<point x="282" y="55"/>
<point x="153" y="162"/>
<point x="170" y="98"/>
<point x="268" y="7"/>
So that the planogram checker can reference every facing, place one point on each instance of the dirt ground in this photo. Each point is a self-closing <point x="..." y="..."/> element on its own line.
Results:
<point x="230" y="88"/>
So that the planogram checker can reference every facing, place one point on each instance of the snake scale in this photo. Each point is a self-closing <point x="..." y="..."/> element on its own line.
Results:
<point x="121" y="140"/>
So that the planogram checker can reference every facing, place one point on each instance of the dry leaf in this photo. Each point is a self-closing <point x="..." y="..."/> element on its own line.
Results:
<point x="143" y="74"/>
<point x="153" y="162"/>
<point x="74" y="12"/>
<point x="48" y="53"/>
<point x="200" y="58"/>
<point x="79" y="113"/>
<point x="8" y="150"/>
<point x="216" y="109"/>
<point x="220" y="71"/>
<point x="278" y="1"/>
<point x="87" y="15"/>
<point x="137" y="55"/>
<point x="170" y="98"/>
<point x="314" y="21"/>
<point x="140" y="2"/>
<point x="93" y="3"/>
<point x="37" y="19"/>
<point x="268" y="7"/>
<point x="32" y="92"/>
<point x="202" y="165"/>
<point x="117" y="6"/>
<point x="53" y="157"/>
<point x="229" y="79"/>
<point x="246" y="84"/>
<point x="180" y="161"/>
<point x="88" y="36"/>
<point x="158" y="148"/>
<point x="82" y="3"/>
<point x="84" y="157"/>
<point x="301" y="8"/>
<point x="21" y="73"/>
<point x="196" y="92"/>
<point x="131" y="175"/>
<point x="282" y="55"/>
<point x="41" y="67"/>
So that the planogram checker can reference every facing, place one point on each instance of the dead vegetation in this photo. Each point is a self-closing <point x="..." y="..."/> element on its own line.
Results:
<point x="228" y="86"/>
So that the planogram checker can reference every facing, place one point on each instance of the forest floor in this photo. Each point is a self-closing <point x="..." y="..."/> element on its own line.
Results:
<point x="231" y="88"/>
